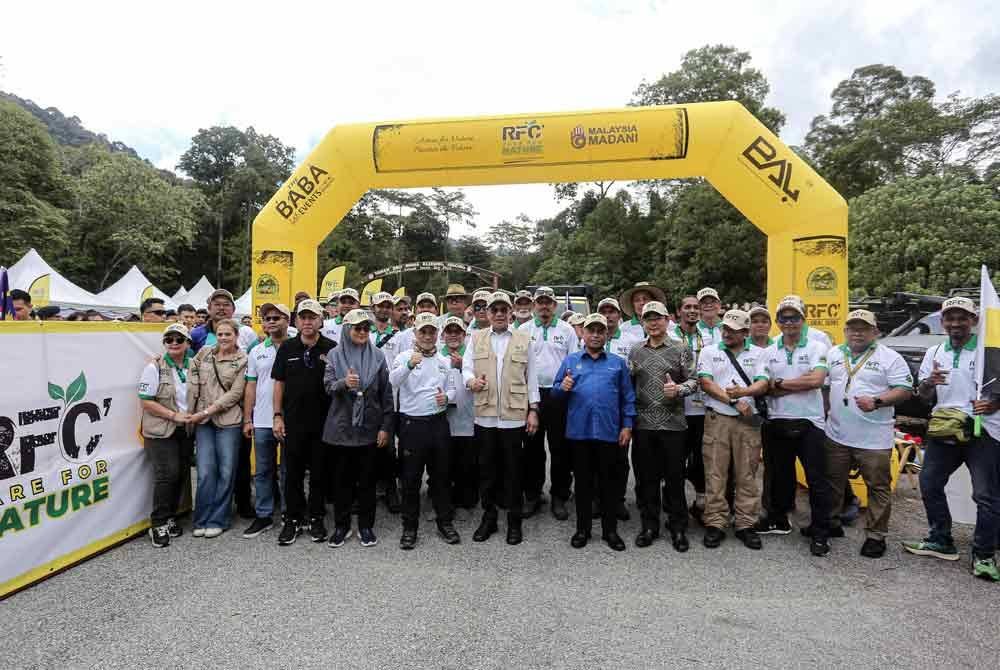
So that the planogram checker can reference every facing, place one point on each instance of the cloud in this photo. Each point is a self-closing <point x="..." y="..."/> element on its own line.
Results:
<point x="152" y="75"/>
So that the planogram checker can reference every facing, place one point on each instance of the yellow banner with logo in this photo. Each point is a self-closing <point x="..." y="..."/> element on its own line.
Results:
<point x="370" y="289"/>
<point x="400" y="292"/>
<point x="333" y="281"/>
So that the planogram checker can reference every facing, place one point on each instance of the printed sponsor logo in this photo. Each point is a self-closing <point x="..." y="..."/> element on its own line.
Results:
<point x="822" y="280"/>
<point x="523" y="142"/>
<point x="625" y="133"/>
<point x="763" y="157"/>
<point x="303" y="193"/>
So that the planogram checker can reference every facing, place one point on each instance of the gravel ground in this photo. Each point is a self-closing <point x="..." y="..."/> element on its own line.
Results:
<point x="235" y="603"/>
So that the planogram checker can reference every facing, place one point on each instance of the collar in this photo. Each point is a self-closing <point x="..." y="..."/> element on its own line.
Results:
<point x="267" y="342"/>
<point x="445" y="351"/>
<point x="618" y="334"/>
<point x="664" y="342"/>
<point x="338" y="320"/>
<point x="847" y="351"/>
<point x="705" y="326"/>
<point x="634" y="321"/>
<point x="968" y="346"/>
<point x="500" y="333"/>
<point x="747" y="342"/>
<point x="803" y="341"/>
<point x="181" y="371"/>
<point x="538" y="323"/>
<point x="586" y="354"/>
<point x="388" y="330"/>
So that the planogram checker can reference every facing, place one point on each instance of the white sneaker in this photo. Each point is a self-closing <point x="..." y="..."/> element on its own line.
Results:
<point x="213" y="532"/>
<point x="198" y="532"/>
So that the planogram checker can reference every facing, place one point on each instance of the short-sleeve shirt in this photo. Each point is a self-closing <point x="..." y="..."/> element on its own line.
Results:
<point x="694" y="404"/>
<point x="259" y="363"/>
<point x="331" y="328"/>
<point x="149" y="384"/>
<point x="777" y="362"/>
<point x="881" y="370"/>
<point x="388" y="343"/>
<point x="552" y="343"/>
<point x="621" y="343"/>
<point x="960" y="390"/>
<point x="818" y="335"/>
<point x="714" y="364"/>
<point x="301" y="369"/>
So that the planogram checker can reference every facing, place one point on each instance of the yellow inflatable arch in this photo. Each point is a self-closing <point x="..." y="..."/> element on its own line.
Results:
<point x="804" y="218"/>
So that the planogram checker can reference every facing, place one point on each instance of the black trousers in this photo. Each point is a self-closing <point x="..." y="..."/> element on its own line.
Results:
<point x="171" y="459"/>
<point x="464" y="478"/>
<point x="387" y="463"/>
<point x="500" y="471"/>
<point x="241" y="487"/>
<point x="660" y="455"/>
<point x="355" y="467"/>
<point x="551" y="424"/>
<point x="779" y="457"/>
<point x="423" y="442"/>
<point x="608" y="462"/>
<point x="304" y="450"/>
<point x="695" y="465"/>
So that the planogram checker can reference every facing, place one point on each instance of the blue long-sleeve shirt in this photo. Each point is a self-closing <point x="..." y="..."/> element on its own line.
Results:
<point x="602" y="401"/>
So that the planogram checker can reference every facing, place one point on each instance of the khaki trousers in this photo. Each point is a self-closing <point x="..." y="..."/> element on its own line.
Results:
<point x="876" y="473"/>
<point x="730" y="439"/>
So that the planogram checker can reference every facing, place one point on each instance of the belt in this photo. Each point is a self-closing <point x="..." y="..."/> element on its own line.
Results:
<point x="426" y="417"/>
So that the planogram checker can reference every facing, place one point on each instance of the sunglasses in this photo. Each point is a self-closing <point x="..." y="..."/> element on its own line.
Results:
<point x="481" y="307"/>
<point x="793" y="318"/>
<point x="271" y="319"/>
<point x="157" y="312"/>
<point x="361" y="327"/>
<point x="174" y="340"/>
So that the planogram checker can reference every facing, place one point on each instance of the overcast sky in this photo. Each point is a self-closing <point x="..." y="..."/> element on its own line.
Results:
<point x="152" y="77"/>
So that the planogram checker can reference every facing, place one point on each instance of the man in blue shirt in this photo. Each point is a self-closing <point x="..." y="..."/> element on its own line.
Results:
<point x="601" y="410"/>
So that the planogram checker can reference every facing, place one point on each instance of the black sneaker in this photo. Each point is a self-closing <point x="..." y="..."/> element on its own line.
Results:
<point x="160" y="536"/>
<point x="173" y="528"/>
<point x="409" y="539"/>
<point x="749" y="538"/>
<point x="819" y="547"/>
<point x="317" y="530"/>
<point x="367" y="537"/>
<point x="339" y="536"/>
<point x="259" y="525"/>
<point x="873" y="548"/>
<point x="289" y="532"/>
<point x="772" y="527"/>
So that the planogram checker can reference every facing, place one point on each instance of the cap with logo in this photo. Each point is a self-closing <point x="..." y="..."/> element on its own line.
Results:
<point x="427" y="297"/>
<point x="577" y="319"/>
<point x="310" y="305"/>
<point x="482" y="296"/>
<point x="595" y="318"/>
<point x="522" y="296"/>
<point x="178" y="328"/>
<point x="655" y="307"/>
<point x="612" y="302"/>
<point x="736" y="319"/>
<point x="863" y="315"/>
<point x="221" y="293"/>
<point x="961" y="303"/>
<point x="545" y="292"/>
<point x="396" y="299"/>
<point x="454" y="321"/>
<point x="275" y="306"/>
<point x="380" y="297"/>
<point x="656" y="293"/>
<point x="498" y="297"/>
<point x="760" y="309"/>
<point x="791" y="302"/>
<point x="425" y="319"/>
<point x="357" y="316"/>
<point x="332" y="298"/>
<point x="707" y="292"/>
<point x="349" y="293"/>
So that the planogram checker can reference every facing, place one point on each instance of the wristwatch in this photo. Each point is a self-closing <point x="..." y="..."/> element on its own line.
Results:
<point x="878" y="401"/>
<point x="277" y="414"/>
<point x="778" y="382"/>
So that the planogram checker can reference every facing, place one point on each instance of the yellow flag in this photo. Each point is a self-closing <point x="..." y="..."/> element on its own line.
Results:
<point x="39" y="291"/>
<point x="400" y="292"/>
<point x="333" y="281"/>
<point x="369" y="290"/>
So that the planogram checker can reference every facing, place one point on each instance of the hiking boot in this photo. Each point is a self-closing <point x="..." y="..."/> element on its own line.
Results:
<point x="873" y="548"/>
<point x="259" y="525"/>
<point x="289" y="531"/>
<point x="317" y="530"/>
<point x="679" y="540"/>
<point x="985" y="568"/>
<point x="559" y="510"/>
<point x="448" y="532"/>
<point x="160" y="536"/>
<point x="646" y="537"/>
<point x="486" y="528"/>
<point x="925" y="547"/>
<point x="779" y="526"/>
<point x="713" y="537"/>
<point x="174" y="528"/>
<point x="409" y="539"/>
<point x="367" y="537"/>
<point x="749" y="538"/>
<point x="819" y="547"/>
<point x="339" y="536"/>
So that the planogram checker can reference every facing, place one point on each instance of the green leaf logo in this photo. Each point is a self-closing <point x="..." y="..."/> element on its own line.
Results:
<point x="76" y="390"/>
<point x="56" y="392"/>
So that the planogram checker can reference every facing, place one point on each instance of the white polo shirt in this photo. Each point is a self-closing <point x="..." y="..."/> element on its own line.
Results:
<point x="551" y="344"/>
<point x="714" y="364"/>
<point x="331" y="328"/>
<point x="461" y="410"/>
<point x="882" y="370"/>
<point x="622" y="342"/>
<point x="817" y="335"/>
<point x="960" y="390"/>
<point x="390" y="341"/>
<point x="634" y="328"/>
<point x="259" y="363"/>
<point x="694" y="404"/>
<point x="777" y="362"/>
<point x="149" y="384"/>
<point x="710" y="334"/>
<point x="418" y="387"/>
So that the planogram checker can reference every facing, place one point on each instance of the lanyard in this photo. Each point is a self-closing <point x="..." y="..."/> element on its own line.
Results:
<point x="855" y="370"/>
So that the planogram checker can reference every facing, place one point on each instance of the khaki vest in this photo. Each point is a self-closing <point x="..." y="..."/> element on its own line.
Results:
<point x="207" y="389"/>
<point x="155" y="426"/>
<point x="510" y="400"/>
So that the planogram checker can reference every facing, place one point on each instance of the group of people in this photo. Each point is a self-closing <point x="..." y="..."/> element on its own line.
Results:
<point x="499" y="394"/>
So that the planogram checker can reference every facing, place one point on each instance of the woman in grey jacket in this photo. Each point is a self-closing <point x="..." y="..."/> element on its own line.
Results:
<point x="359" y="421"/>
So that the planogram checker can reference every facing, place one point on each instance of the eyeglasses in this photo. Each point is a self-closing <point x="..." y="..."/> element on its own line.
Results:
<point x="479" y="307"/>
<point x="499" y="310"/>
<point x="271" y="319"/>
<point x="174" y="340"/>
<point x="791" y="318"/>
<point x="157" y="312"/>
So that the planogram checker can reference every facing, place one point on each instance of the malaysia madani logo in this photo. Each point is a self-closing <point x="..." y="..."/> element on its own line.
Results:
<point x="578" y="137"/>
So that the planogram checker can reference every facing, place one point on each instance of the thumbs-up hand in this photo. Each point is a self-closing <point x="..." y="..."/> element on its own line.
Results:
<point x="478" y="384"/>
<point x="670" y="391"/>
<point x="415" y="358"/>
<point x="352" y="379"/>
<point x="567" y="382"/>
<point x="456" y="360"/>
<point x="440" y="398"/>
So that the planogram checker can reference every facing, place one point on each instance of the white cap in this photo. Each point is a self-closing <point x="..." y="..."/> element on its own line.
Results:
<point x="426" y="296"/>
<point x="499" y="296"/>
<point x="958" y="302"/>
<point x="791" y="302"/>
<point x="356" y="316"/>
<point x="425" y="319"/>
<point x="454" y="321"/>
<point x="655" y="307"/>
<point x="544" y="292"/>
<point x="380" y="297"/>
<point x="178" y="328"/>
<point x="863" y="315"/>
<point x="708" y="292"/>
<point x="608" y="301"/>
<point x="482" y="296"/>
<point x="596" y="318"/>
<point x="736" y="319"/>
<point x="276" y="306"/>
<point x="348" y="293"/>
<point x="310" y="305"/>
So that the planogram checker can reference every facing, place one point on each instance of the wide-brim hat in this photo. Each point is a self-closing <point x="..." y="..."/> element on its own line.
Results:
<point x="455" y="291"/>
<point x="625" y="300"/>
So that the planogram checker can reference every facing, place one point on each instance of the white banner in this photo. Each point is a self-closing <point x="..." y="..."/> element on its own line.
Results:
<point x="74" y="479"/>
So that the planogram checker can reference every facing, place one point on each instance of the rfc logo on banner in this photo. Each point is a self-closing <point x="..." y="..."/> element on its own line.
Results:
<point x="522" y="143"/>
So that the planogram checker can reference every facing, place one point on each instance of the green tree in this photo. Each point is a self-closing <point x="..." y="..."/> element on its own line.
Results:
<point x="923" y="234"/>
<point x="33" y="192"/>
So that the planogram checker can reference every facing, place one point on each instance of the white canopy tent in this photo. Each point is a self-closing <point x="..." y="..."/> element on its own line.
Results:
<point x="129" y="292"/>
<point x="179" y="296"/>
<point x="198" y="295"/>
<point x="244" y="304"/>
<point x="48" y="287"/>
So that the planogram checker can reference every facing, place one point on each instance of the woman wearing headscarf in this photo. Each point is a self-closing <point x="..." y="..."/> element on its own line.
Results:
<point x="166" y="432"/>
<point x="218" y="377"/>
<point x="359" y="421"/>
